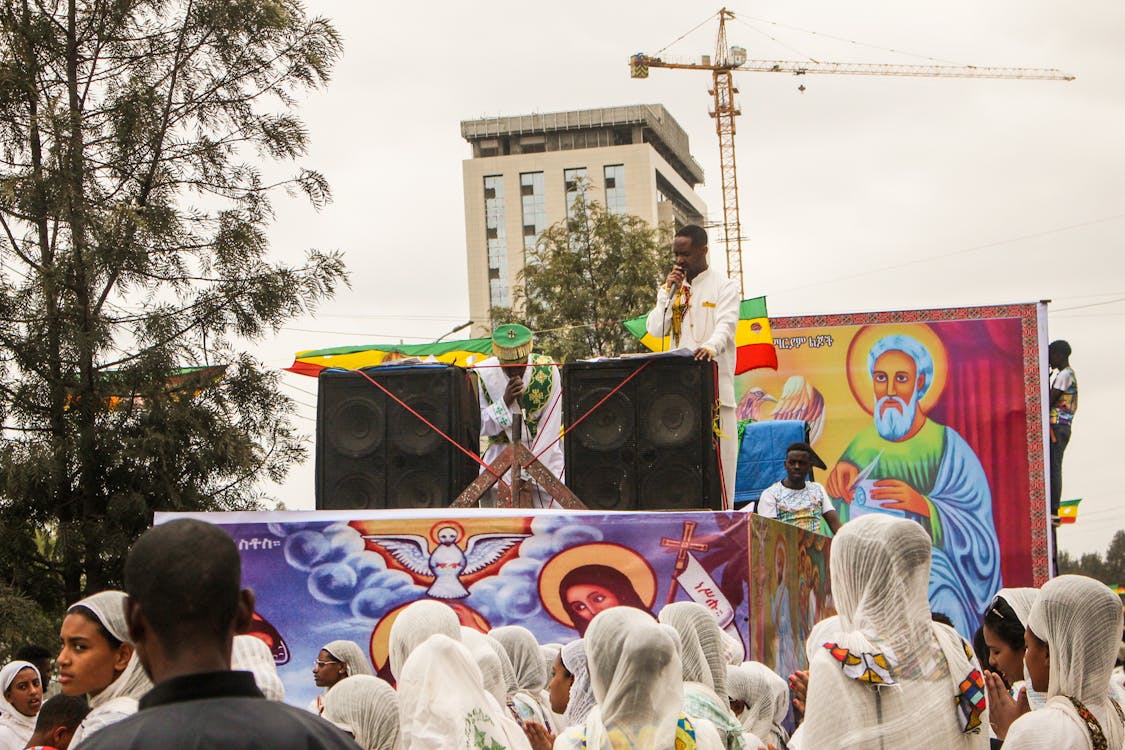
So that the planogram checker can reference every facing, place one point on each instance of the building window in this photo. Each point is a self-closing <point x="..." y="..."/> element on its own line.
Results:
<point x="534" y="207"/>
<point x="498" y="291"/>
<point x="573" y="179"/>
<point x="615" y="188"/>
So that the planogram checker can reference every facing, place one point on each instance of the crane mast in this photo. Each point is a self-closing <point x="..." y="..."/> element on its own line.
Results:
<point x="727" y="60"/>
<point x="725" y="111"/>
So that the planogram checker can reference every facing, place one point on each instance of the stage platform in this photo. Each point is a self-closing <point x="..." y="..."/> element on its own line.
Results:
<point x="326" y="575"/>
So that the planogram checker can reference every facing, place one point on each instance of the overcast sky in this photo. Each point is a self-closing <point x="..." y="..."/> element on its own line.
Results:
<point x="861" y="193"/>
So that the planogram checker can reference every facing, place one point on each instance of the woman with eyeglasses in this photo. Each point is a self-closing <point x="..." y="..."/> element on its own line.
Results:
<point x="336" y="661"/>
<point x="1003" y="628"/>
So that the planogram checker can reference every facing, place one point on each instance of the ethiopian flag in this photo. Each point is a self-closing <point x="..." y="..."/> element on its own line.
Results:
<point x="1068" y="510"/>
<point x="753" y="337"/>
<point x="461" y="353"/>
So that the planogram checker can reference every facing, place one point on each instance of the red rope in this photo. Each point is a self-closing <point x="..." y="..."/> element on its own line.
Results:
<point x="431" y="425"/>
<point x="594" y="408"/>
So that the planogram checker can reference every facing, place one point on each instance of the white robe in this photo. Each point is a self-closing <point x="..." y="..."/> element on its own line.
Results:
<point x="710" y="321"/>
<point x="1055" y="727"/>
<point x="14" y="733"/>
<point x="1080" y="620"/>
<point x="496" y="417"/>
<point x="443" y="705"/>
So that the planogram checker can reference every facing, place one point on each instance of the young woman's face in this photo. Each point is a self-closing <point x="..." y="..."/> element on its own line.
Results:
<point x="1003" y="658"/>
<point x="26" y="692"/>
<point x="87" y="662"/>
<point x="587" y="599"/>
<point x="559" y="686"/>
<point x="328" y="670"/>
<point x="1037" y="657"/>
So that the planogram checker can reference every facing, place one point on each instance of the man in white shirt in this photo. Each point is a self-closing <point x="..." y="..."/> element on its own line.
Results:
<point x="698" y="308"/>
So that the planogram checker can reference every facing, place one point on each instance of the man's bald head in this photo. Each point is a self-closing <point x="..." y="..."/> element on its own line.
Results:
<point x="186" y="577"/>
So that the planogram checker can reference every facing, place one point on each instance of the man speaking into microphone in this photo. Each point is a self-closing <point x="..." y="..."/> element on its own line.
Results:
<point x="698" y="309"/>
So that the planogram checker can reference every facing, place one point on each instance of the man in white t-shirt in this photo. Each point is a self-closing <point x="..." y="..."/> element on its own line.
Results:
<point x="794" y="499"/>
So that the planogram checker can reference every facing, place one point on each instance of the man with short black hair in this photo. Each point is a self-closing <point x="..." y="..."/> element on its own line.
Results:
<point x="698" y="308"/>
<point x="185" y="605"/>
<point x="57" y="722"/>
<point x="795" y="500"/>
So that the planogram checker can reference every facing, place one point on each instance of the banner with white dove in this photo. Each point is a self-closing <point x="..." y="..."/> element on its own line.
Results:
<point x="329" y="575"/>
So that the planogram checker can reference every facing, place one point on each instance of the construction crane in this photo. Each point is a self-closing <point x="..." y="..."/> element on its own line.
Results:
<point x="729" y="59"/>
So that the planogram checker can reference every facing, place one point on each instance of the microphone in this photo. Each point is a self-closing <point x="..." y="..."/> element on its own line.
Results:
<point x="675" y="284"/>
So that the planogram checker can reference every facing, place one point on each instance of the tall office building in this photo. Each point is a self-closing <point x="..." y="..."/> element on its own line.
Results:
<point x="524" y="175"/>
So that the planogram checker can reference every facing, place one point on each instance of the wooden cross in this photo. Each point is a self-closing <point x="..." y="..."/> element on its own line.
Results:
<point x="514" y="458"/>
<point x="683" y="546"/>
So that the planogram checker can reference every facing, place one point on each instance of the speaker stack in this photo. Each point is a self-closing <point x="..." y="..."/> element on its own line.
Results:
<point x="373" y="453"/>
<point x="651" y="445"/>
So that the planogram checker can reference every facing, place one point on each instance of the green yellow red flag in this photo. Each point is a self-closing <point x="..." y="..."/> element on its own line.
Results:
<point x="462" y="353"/>
<point x="753" y="338"/>
<point x="1068" y="510"/>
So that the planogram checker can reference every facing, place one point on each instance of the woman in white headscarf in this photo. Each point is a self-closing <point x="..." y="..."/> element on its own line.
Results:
<point x="571" y="694"/>
<point x="530" y="674"/>
<point x="705" y="668"/>
<point x="760" y="700"/>
<point x="367" y="708"/>
<point x="442" y="703"/>
<point x="249" y="653"/>
<point x="1073" y="632"/>
<point x="336" y="662"/>
<point x="550" y="652"/>
<point x="97" y="660"/>
<point x="1002" y="629"/>
<point x="21" y="697"/>
<point x="414" y="625"/>
<point x="635" y="673"/>
<point x="882" y="674"/>
<point x="497" y="674"/>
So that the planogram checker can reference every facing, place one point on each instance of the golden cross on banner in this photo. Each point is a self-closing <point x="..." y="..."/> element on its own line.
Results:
<point x="683" y="546"/>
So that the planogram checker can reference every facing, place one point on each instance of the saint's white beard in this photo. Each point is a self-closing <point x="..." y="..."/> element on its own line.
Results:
<point x="892" y="425"/>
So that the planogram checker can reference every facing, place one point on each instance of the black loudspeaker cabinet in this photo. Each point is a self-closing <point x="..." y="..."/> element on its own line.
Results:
<point x="373" y="453"/>
<point x="651" y="445"/>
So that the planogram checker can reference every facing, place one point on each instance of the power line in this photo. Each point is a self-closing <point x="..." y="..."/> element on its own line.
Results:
<point x="353" y="333"/>
<point x="954" y="253"/>
<point x="1091" y="304"/>
<point x="302" y="390"/>
<point x="845" y="39"/>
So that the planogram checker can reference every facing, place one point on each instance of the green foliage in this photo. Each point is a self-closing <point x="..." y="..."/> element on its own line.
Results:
<point x="22" y="623"/>
<point x="587" y="274"/>
<point x="1110" y="569"/>
<point x="134" y="201"/>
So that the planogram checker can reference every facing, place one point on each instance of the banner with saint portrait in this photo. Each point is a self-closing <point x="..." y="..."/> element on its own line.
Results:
<point x="933" y="415"/>
<point x="330" y="575"/>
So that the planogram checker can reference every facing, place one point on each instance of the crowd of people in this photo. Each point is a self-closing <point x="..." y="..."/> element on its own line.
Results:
<point x="162" y="665"/>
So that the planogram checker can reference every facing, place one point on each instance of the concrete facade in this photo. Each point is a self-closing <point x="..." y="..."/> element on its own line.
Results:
<point x="644" y="147"/>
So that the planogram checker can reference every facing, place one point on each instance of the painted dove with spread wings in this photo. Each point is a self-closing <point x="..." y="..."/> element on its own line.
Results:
<point x="447" y="563"/>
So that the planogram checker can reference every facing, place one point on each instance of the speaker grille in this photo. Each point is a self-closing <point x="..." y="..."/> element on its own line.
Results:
<point x="610" y="425"/>
<point x="356" y="425"/>
<point x="671" y="420"/>
<point x="651" y="445"/>
<point x="373" y="453"/>
<point x="357" y="490"/>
